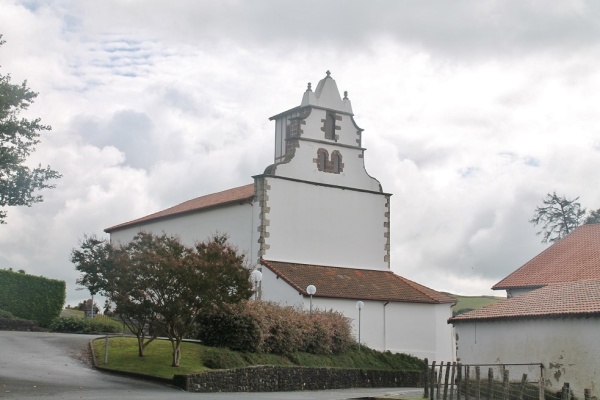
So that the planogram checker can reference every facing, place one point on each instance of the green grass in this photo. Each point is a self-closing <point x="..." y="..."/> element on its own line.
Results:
<point x="473" y="302"/>
<point x="123" y="356"/>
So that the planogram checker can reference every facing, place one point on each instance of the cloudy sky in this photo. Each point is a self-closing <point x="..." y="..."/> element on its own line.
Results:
<point x="472" y="110"/>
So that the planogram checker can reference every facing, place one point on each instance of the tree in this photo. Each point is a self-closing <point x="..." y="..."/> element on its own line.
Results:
<point x="558" y="217"/>
<point x="105" y="270"/>
<point x="593" y="217"/>
<point x="183" y="282"/>
<point x="158" y="279"/>
<point x="18" y="138"/>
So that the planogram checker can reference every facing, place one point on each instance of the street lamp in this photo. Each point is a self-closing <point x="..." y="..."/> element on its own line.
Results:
<point x="311" y="289"/>
<point x="256" y="277"/>
<point x="359" y="305"/>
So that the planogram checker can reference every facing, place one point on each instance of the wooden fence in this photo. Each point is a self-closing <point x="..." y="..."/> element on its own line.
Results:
<point x="455" y="381"/>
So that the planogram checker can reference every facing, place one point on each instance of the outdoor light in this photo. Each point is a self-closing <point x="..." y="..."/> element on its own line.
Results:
<point x="359" y="305"/>
<point x="311" y="289"/>
<point x="256" y="277"/>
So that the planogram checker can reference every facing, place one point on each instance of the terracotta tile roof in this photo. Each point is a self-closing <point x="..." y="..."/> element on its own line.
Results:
<point x="353" y="283"/>
<point x="571" y="299"/>
<point x="235" y="195"/>
<point x="573" y="258"/>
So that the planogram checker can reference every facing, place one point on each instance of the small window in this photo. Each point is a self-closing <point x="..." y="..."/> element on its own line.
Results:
<point x="336" y="160"/>
<point x="330" y="126"/>
<point x="322" y="160"/>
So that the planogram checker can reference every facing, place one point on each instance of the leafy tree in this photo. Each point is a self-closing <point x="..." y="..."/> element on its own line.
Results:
<point x="593" y="217"/>
<point x="104" y="270"/>
<point x="558" y="217"/>
<point x="18" y="138"/>
<point x="185" y="281"/>
<point x="157" y="278"/>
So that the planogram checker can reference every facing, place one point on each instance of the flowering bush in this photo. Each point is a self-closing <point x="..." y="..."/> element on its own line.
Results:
<point x="264" y="327"/>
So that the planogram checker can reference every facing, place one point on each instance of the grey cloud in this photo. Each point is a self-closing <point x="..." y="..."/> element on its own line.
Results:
<point x="129" y="131"/>
<point x="452" y="27"/>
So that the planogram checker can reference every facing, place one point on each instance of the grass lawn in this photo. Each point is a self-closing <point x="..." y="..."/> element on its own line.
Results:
<point x="474" y="302"/>
<point x="123" y="356"/>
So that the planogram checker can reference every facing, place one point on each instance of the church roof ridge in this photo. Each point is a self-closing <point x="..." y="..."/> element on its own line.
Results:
<point x="233" y="195"/>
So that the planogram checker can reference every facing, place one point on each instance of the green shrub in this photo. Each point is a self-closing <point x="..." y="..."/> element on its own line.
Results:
<point x="6" y="314"/>
<point x="31" y="297"/>
<point x="230" y="327"/>
<point x="266" y="327"/>
<point x="85" y="325"/>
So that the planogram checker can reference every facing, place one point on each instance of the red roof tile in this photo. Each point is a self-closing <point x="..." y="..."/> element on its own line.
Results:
<point x="353" y="283"/>
<point x="573" y="258"/>
<point x="571" y="299"/>
<point x="235" y="195"/>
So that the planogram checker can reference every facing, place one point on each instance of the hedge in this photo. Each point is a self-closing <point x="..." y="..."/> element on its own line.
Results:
<point x="264" y="327"/>
<point x="31" y="297"/>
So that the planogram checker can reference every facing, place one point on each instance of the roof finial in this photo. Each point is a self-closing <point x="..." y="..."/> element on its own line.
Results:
<point x="309" y="89"/>
<point x="345" y="95"/>
<point x="328" y="73"/>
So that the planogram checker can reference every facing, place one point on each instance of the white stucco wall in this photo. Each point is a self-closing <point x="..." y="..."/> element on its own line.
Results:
<point x="568" y="348"/>
<point x="303" y="166"/>
<point x="234" y="220"/>
<point x="325" y="225"/>
<point x="412" y="328"/>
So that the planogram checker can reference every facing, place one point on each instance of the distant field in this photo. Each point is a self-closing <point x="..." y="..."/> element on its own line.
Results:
<point x="468" y="303"/>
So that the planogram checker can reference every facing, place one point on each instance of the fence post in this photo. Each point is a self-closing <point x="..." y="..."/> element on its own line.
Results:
<point x="586" y="394"/>
<point x="467" y="379"/>
<point x="452" y="380"/>
<point x="439" y="382"/>
<point x="478" y="383"/>
<point x="426" y="379"/>
<point x="446" y="378"/>
<point x="565" y="392"/>
<point x="489" y="393"/>
<point x="432" y="381"/>
<point x="542" y="383"/>
<point x="505" y="386"/>
<point x="523" y="384"/>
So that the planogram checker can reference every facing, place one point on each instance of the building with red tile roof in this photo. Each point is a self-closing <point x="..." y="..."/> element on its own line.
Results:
<point x="316" y="217"/>
<point x="552" y="315"/>
<point x="573" y="258"/>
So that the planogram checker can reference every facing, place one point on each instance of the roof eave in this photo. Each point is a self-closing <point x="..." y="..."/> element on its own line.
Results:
<point x="135" y="223"/>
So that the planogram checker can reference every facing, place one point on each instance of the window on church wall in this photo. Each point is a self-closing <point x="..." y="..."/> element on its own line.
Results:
<point x="336" y="160"/>
<point x="322" y="158"/>
<point x="329" y="127"/>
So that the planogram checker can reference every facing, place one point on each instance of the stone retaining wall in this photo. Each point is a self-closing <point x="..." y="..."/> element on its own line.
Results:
<point x="282" y="379"/>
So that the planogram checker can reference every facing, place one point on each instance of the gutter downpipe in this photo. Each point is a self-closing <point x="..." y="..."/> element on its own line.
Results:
<point x="384" y="326"/>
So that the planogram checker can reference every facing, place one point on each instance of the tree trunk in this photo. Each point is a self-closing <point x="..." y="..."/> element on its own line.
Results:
<point x="140" y="340"/>
<point x="176" y="352"/>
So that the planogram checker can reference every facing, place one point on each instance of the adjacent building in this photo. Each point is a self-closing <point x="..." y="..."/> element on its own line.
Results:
<point x="551" y="316"/>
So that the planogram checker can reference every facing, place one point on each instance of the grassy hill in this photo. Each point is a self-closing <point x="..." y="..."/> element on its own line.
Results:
<point x="468" y="303"/>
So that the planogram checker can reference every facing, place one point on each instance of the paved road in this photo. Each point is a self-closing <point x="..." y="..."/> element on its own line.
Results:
<point x="36" y="365"/>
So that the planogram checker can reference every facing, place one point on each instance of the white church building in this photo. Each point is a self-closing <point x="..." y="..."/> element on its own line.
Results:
<point x="316" y="217"/>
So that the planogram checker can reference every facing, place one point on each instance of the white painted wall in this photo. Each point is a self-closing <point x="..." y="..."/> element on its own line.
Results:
<point x="277" y="290"/>
<point x="234" y="220"/>
<point x="325" y="226"/>
<point x="412" y="328"/>
<point x="569" y="348"/>
<point x="302" y="166"/>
